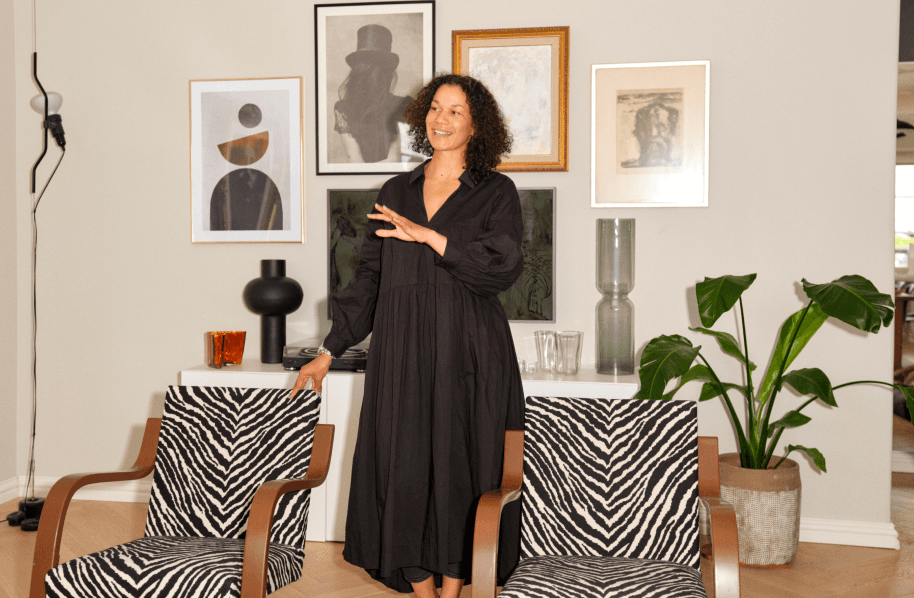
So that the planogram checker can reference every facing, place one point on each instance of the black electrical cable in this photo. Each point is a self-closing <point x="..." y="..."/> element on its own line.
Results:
<point x="30" y="479"/>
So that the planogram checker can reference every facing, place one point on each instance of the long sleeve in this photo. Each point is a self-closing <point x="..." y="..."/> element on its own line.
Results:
<point x="493" y="261"/>
<point x="353" y="307"/>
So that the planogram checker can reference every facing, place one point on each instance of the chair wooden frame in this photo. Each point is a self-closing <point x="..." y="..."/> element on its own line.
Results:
<point x="260" y="519"/>
<point x="488" y="519"/>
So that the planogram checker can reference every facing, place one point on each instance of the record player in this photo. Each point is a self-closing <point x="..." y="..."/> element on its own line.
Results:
<point x="353" y="360"/>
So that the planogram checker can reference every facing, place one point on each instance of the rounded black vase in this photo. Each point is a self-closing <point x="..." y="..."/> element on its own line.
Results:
<point x="272" y="297"/>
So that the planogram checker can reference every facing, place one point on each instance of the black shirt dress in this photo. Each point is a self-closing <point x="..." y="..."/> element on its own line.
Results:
<point x="442" y="383"/>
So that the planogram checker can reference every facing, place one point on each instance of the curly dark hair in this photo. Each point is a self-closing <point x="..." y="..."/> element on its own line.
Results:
<point x="491" y="139"/>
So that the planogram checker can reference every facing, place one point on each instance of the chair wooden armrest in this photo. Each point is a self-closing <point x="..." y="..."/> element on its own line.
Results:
<point x="260" y="520"/>
<point x="725" y="547"/>
<point x="724" y="539"/>
<point x="488" y="516"/>
<point x="50" y="528"/>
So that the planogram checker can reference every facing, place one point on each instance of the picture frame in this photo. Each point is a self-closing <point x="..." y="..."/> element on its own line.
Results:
<point x="531" y="298"/>
<point x="649" y="134"/>
<point x="247" y="183"/>
<point x="526" y="70"/>
<point x="365" y="51"/>
<point x="347" y="221"/>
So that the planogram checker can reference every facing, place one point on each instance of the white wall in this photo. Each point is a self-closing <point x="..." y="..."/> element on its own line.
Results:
<point x="801" y="185"/>
<point x="8" y="198"/>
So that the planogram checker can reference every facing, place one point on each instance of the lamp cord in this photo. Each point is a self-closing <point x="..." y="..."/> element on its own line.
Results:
<point x="30" y="479"/>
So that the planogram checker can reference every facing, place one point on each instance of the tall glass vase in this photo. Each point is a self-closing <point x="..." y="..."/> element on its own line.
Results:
<point x="615" y="312"/>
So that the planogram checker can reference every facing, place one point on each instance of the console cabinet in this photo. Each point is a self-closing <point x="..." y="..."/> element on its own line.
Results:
<point x="341" y="401"/>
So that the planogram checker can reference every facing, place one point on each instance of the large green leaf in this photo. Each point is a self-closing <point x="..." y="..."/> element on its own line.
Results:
<point x="854" y="300"/>
<point x="817" y="457"/>
<point x="812" y="381"/>
<point x="664" y="358"/>
<point x="711" y="390"/>
<point x="791" y="419"/>
<point x="696" y="372"/>
<point x="801" y="332"/>
<point x="728" y="344"/>
<point x="717" y="295"/>
<point x="699" y="371"/>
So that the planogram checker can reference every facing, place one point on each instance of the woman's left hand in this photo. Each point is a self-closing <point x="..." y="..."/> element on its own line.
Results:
<point x="405" y="230"/>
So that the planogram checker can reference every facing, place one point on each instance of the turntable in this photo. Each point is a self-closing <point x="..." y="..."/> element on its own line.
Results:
<point x="353" y="360"/>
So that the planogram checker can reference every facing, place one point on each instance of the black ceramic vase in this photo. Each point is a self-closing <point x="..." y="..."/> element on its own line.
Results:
<point x="272" y="297"/>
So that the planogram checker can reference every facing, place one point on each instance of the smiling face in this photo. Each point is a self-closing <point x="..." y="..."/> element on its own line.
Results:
<point x="448" y="124"/>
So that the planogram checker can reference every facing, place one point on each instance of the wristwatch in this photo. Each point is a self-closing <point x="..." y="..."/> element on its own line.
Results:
<point x="322" y="350"/>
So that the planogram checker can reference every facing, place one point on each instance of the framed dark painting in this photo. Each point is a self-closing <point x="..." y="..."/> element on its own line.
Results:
<point x="347" y="220"/>
<point x="531" y="298"/>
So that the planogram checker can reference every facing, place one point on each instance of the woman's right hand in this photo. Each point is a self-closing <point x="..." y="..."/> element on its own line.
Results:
<point x="315" y="371"/>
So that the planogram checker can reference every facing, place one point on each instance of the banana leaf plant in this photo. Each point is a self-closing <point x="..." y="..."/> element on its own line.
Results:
<point x="852" y="299"/>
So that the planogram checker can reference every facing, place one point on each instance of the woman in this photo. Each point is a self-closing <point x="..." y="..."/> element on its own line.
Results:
<point x="442" y="382"/>
<point x="367" y="113"/>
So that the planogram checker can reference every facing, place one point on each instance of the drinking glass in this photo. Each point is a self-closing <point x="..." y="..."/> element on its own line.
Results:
<point x="545" y="350"/>
<point x="568" y="352"/>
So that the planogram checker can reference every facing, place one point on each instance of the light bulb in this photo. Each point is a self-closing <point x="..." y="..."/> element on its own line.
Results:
<point x="54" y="102"/>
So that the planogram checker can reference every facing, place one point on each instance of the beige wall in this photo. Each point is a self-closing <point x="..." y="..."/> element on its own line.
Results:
<point x="801" y="171"/>
<point x="8" y="198"/>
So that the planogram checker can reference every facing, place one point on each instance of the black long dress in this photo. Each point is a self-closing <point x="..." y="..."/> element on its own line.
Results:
<point x="442" y="383"/>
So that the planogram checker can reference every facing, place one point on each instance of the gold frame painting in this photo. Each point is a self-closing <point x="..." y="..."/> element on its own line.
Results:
<point x="649" y="137"/>
<point x="527" y="71"/>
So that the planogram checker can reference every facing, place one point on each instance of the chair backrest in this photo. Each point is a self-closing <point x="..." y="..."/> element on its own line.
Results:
<point x="611" y="477"/>
<point x="216" y="447"/>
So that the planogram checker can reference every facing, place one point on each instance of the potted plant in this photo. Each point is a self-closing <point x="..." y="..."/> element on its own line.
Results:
<point x="772" y="497"/>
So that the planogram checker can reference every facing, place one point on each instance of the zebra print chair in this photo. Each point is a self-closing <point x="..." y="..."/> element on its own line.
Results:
<point x="229" y="505"/>
<point x="611" y="492"/>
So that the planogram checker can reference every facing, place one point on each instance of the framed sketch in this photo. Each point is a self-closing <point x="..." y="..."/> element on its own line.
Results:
<point x="649" y="137"/>
<point x="531" y="298"/>
<point x="527" y="72"/>
<point x="372" y="58"/>
<point x="246" y="161"/>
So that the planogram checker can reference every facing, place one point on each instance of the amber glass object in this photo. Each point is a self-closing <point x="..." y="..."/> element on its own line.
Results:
<point x="223" y="348"/>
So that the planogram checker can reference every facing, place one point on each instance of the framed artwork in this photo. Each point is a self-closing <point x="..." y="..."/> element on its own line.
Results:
<point x="371" y="59"/>
<point x="347" y="221"/>
<point x="527" y="72"/>
<point x="531" y="297"/>
<point x="246" y="161"/>
<point x="649" y="136"/>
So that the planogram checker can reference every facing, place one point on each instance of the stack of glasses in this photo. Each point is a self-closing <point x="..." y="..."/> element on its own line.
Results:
<point x="558" y="352"/>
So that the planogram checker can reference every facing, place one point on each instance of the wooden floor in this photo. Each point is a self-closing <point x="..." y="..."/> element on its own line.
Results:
<point x="820" y="570"/>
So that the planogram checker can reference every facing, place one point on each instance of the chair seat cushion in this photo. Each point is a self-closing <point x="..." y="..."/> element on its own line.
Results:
<point x="159" y="565"/>
<point x="602" y="577"/>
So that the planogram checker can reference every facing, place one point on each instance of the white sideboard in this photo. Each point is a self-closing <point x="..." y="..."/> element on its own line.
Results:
<point x="341" y="401"/>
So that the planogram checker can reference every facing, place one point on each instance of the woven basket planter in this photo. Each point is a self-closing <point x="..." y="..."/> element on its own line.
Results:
<point x="767" y="505"/>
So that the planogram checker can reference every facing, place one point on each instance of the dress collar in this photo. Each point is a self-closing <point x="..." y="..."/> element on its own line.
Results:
<point x="419" y="171"/>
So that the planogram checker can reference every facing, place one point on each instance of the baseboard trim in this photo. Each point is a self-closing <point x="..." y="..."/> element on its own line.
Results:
<point x="820" y="531"/>
<point x="902" y="462"/>
<point x="9" y="489"/>
<point x="129" y="491"/>
<point x="849" y="533"/>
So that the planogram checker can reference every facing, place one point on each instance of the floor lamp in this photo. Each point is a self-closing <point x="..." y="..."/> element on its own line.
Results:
<point x="47" y="104"/>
